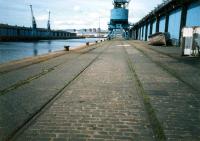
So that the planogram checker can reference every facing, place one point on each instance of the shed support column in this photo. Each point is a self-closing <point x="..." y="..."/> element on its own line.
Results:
<point x="151" y="24"/>
<point x="167" y="22"/>
<point x="146" y="31"/>
<point x="142" y="33"/>
<point x="157" y="23"/>
<point x="183" y="20"/>
<point x="136" y="29"/>
<point x="138" y="32"/>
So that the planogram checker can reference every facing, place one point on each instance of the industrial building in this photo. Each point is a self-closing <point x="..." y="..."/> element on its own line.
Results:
<point x="17" y="33"/>
<point x="171" y="16"/>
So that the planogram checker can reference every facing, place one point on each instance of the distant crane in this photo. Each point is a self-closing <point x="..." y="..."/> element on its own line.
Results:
<point x="48" y="23"/>
<point x="34" y="25"/>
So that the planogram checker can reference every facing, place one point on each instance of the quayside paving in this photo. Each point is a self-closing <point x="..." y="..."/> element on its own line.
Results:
<point x="169" y="85"/>
<point x="103" y="103"/>
<point x="114" y="91"/>
<point x="33" y="86"/>
<point x="185" y="68"/>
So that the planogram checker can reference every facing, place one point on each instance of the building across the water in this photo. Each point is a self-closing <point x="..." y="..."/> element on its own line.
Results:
<point x="17" y="33"/>
<point x="90" y="33"/>
<point x="171" y="16"/>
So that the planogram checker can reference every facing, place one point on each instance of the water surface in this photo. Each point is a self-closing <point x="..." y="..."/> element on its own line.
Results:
<point x="10" y="51"/>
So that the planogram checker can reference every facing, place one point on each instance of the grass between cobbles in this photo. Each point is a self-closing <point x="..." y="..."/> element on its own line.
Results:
<point x="155" y="123"/>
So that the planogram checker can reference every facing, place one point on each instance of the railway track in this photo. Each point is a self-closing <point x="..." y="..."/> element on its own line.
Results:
<point x="43" y="72"/>
<point x="166" y="68"/>
<point x="154" y="100"/>
<point x="155" y="123"/>
<point x="48" y="103"/>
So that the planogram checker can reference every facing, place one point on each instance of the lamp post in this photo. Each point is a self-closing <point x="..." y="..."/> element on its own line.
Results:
<point x="99" y="26"/>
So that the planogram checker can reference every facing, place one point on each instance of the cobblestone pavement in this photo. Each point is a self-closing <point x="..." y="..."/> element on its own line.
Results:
<point x="185" y="69"/>
<point x="176" y="103"/>
<point x="13" y="77"/>
<point x="105" y="97"/>
<point x="35" y="85"/>
<point x="176" y="53"/>
<point x="103" y="103"/>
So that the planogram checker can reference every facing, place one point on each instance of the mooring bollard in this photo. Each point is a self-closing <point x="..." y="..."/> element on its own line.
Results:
<point x="66" y="48"/>
<point x="87" y="43"/>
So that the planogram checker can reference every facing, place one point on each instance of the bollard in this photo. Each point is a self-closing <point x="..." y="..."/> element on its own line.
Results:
<point x="87" y="43"/>
<point x="66" y="48"/>
<point x="96" y="42"/>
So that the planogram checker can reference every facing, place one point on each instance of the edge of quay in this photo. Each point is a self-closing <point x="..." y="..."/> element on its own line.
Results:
<point x="24" y="62"/>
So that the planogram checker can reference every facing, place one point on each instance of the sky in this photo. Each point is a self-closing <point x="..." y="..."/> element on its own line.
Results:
<point x="69" y="14"/>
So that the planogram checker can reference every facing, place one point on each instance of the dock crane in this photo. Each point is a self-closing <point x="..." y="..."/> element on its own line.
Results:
<point x="48" y="23"/>
<point x="118" y="25"/>
<point x="34" y="25"/>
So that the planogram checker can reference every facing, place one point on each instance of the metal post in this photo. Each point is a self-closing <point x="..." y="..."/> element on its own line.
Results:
<point x="142" y="32"/>
<point x="157" y="23"/>
<point x="166" y="22"/>
<point x="99" y="27"/>
<point x="146" y="31"/>
<point x="183" y="20"/>
<point x="136" y="33"/>
<point x="151" y="27"/>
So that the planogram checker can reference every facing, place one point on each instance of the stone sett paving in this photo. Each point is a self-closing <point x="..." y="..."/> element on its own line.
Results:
<point x="19" y="105"/>
<point x="186" y="68"/>
<point x="102" y="104"/>
<point x="177" y="106"/>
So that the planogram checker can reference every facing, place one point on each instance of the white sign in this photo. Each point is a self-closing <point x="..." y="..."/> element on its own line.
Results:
<point x="187" y="32"/>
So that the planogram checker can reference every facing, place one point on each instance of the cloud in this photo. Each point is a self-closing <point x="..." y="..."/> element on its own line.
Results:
<point x="69" y="13"/>
<point x="139" y="8"/>
<point x="42" y="18"/>
<point x="77" y="8"/>
<point x="70" y="22"/>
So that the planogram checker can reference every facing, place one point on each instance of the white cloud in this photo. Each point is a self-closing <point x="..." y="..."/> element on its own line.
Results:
<point x="77" y="8"/>
<point x="42" y="18"/>
<point x="69" y="13"/>
<point x="139" y="8"/>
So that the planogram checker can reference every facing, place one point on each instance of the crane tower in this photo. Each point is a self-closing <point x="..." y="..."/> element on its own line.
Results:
<point x="118" y="25"/>
<point x="48" y="23"/>
<point x="34" y="25"/>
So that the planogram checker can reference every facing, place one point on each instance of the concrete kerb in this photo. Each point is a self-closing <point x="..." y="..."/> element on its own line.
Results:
<point x="84" y="46"/>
